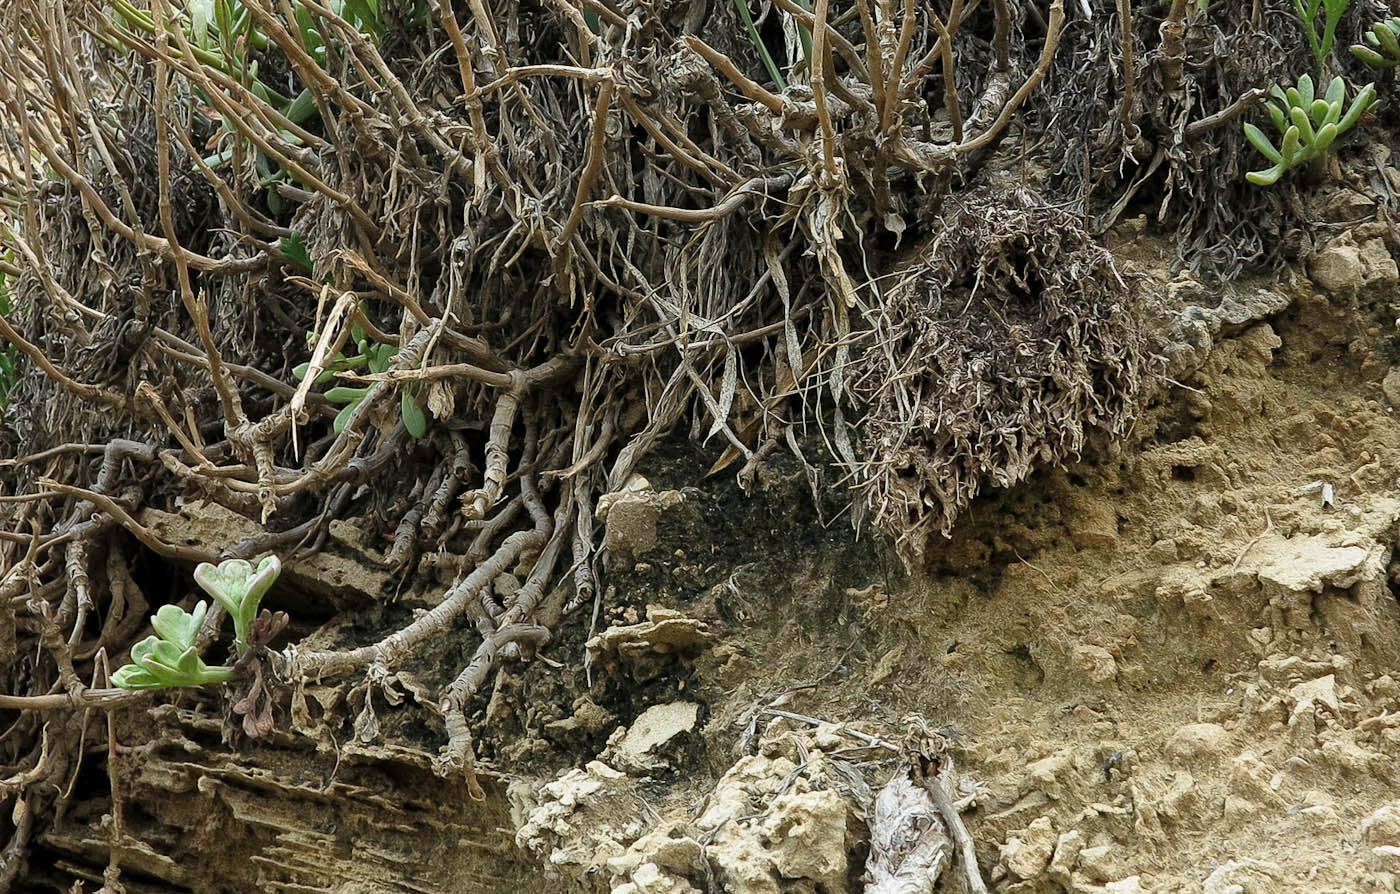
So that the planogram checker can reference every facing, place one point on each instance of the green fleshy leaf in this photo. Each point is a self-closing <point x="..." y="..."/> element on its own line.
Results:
<point x="345" y="393"/>
<point x="1265" y="178"/>
<point x="178" y="626"/>
<point x="1326" y="136"/>
<point x="238" y="587"/>
<point x="1305" y="90"/>
<point x="1262" y="143"/>
<point x="1300" y="121"/>
<point x="142" y="650"/>
<point x="131" y="676"/>
<point x="342" y="418"/>
<point x="1385" y="35"/>
<point x="1319" y="111"/>
<point x="1364" y="100"/>
<point x="1289" y="149"/>
<point x="414" y="421"/>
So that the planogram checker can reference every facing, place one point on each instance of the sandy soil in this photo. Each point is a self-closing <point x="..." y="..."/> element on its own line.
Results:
<point x="1169" y="668"/>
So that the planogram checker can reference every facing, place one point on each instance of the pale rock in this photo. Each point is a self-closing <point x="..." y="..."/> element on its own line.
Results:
<point x="1198" y="740"/>
<point x="640" y="748"/>
<point x="650" y="879"/>
<point x="1096" y="662"/>
<point x="1382" y="826"/>
<point x="1028" y="855"/>
<point x="1047" y="771"/>
<point x="1337" y="269"/>
<point x="1130" y="885"/>
<point x="1239" y="809"/>
<point x="1343" y="751"/>
<point x="807" y="837"/>
<point x="1307" y="563"/>
<point x="1380" y="267"/>
<point x="1321" y="692"/>
<point x="631" y="526"/>
<point x="741" y="864"/>
<point x="1066" y="857"/>
<point x="1387" y="856"/>
<point x="678" y="855"/>
<point x="575" y="822"/>
<point x="1232" y="875"/>
<point x="1348" y="206"/>
<point x="647" y="647"/>
<point x="634" y="486"/>
<point x="1099" y="863"/>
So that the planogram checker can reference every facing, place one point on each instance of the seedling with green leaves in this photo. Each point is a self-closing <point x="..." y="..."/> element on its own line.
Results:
<point x="1320" y="41"/>
<point x="1308" y="126"/>
<point x="222" y="37"/>
<point x="238" y="587"/>
<point x="376" y="358"/>
<point x="170" y="657"/>
<point x="1382" y="47"/>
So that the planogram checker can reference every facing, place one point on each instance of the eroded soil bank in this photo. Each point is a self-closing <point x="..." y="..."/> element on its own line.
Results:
<point x="1170" y="668"/>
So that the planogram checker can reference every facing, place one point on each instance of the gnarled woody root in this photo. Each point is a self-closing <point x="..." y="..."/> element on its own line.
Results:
<point x="574" y="227"/>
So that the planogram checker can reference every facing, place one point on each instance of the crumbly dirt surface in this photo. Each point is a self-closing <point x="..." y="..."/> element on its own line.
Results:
<point x="1171" y="667"/>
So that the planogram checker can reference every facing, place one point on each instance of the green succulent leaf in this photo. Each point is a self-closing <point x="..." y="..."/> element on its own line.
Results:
<point x="414" y="420"/>
<point x="130" y="676"/>
<point x="380" y="356"/>
<point x="1385" y="36"/>
<point x="1336" y="92"/>
<point x="1304" y="90"/>
<point x="1310" y="125"/>
<point x="175" y="625"/>
<point x="1363" y="101"/>
<point x="345" y="393"/>
<point x="239" y="587"/>
<point x="1300" y="121"/>
<point x="1384" y="40"/>
<point x="342" y="418"/>
<point x="142" y="650"/>
<point x="1370" y="56"/>
<point x="1318" y="111"/>
<point x="160" y="664"/>
<point x="1326" y="135"/>
<point x="1289" y="149"/>
<point x="1261" y="142"/>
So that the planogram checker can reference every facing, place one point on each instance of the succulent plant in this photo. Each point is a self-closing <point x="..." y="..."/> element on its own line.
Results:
<point x="239" y="588"/>
<point x="1384" y="44"/>
<point x="1308" y="125"/>
<point x="170" y="657"/>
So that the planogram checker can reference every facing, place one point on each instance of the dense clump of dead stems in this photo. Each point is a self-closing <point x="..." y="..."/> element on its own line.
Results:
<point x="560" y="230"/>
<point x="1008" y="345"/>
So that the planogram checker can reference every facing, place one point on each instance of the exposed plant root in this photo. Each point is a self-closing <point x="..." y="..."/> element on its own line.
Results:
<point x="960" y="399"/>
<point x="561" y="230"/>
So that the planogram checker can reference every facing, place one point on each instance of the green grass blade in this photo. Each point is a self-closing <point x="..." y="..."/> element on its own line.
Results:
<point x="757" y="41"/>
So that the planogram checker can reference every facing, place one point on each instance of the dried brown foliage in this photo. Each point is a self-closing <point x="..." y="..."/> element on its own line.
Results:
<point x="581" y="224"/>
<point x="1008" y="345"/>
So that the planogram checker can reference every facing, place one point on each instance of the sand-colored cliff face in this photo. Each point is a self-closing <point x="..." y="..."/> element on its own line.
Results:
<point x="1173" y="668"/>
